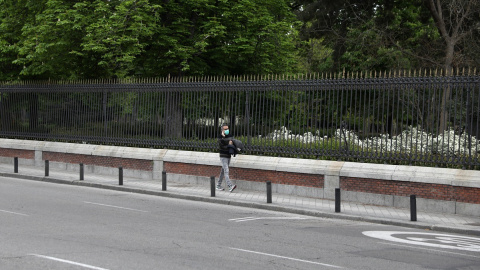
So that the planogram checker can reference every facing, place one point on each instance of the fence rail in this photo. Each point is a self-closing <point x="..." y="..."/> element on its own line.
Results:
<point x="426" y="121"/>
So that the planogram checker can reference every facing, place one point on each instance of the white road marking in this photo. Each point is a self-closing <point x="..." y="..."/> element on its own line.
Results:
<point x="436" y="250"/>
<point x="283" y="257"/>
<point x="106" y="205"/>
<point x="15" y="213"/>
<point x="258" y="218"/>
<point x="437" y="240"/>
<point x="69" y="262"/>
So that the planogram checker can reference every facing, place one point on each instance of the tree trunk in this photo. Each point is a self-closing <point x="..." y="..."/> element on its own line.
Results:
<point x="33" y="112"/>
<point x="173" y="115"/>
<point x="447" y="91"/>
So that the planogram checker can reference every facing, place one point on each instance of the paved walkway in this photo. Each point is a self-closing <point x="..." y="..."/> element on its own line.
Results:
<point x="280" y="202"/>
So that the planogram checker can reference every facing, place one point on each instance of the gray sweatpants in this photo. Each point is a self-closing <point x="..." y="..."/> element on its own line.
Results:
<point x="224" y="172"/>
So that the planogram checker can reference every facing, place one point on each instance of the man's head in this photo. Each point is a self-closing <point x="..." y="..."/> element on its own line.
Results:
<point x="225" y="129"/>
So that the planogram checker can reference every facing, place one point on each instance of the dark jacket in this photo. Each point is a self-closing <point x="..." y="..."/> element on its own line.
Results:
<point x="223" y="145"/>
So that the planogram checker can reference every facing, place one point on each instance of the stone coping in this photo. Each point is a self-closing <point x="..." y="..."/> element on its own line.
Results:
<point x="444" y="176"/>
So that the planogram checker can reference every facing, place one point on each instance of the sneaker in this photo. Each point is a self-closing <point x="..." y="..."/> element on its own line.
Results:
<point x="232" y="188"/>
<point x="220" y="188"/>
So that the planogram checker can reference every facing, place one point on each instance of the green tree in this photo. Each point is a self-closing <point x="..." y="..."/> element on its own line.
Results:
<point x="15" y="15"/>
<point x="62" y="39"/>
<point x="458" y="23"/>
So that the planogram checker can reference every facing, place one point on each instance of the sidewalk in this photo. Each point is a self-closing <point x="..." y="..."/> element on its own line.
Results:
<point x="448" y="223"/>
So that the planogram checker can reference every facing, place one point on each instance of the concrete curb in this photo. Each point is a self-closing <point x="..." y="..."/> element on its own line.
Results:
<point x="265" y="206"/>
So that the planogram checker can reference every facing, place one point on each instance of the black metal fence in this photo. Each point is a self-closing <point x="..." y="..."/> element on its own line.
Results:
<point x="418" y="120"/>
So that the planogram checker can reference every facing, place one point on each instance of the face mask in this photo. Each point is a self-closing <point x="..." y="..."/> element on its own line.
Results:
<point x="227" y="132"/>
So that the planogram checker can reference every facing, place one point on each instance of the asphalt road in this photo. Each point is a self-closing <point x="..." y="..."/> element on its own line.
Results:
<point x="53" y="226"/>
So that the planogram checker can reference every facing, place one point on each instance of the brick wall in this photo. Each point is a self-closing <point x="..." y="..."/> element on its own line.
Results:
<point x="402" y="188"/>
<point x="355" y="184"/>
<point x="26" y="154"/>
<point x="126" y="163"/>
<point x="286" y="178"/>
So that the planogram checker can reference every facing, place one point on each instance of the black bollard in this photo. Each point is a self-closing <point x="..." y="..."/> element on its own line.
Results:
<point x="413" y="208"/>
<point x="47" y="168"/>
<point x="269" y="192"/>
<point x="164" y="180"/>
<point x="337" y="200"/>
<point x="81" y="171"/>
<point x="15" y="164"/>
<point x="120" y="176"/>
<point x="212" y="186"/>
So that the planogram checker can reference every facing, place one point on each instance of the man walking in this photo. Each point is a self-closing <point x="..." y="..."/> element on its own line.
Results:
<point x="224" y="142"/>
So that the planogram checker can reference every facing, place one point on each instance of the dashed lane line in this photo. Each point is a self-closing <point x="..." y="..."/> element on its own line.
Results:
<point x="68" y="262"/>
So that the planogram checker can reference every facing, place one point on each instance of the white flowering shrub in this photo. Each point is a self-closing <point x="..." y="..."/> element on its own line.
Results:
<point x="284" y="134"/>
<point x="412" y="140"/>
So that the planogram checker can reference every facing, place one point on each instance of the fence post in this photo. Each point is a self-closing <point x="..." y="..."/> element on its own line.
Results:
<point x="212" y="186"/>
<point x="15" y="164"/>
<point x="269" y="192"/>
<point x="81" y="171"/>
<point x="120" y="176"/>
<point x="337" y="200"/>
<point x="47" y="168"/>
<point x="413" y="208"/>
<point x="164" y="180"/>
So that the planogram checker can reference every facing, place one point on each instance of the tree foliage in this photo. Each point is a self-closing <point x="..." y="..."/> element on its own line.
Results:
<point x="393" y="34"/>
<point x="63" y="39"/>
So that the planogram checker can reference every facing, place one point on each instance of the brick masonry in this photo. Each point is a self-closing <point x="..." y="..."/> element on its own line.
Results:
<point x="254" y="175"/>
<point x="403" y="188"/>
<point x="20" y="153"/>
<point x="126" y="163"/>
<point x="376" y="186"/>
